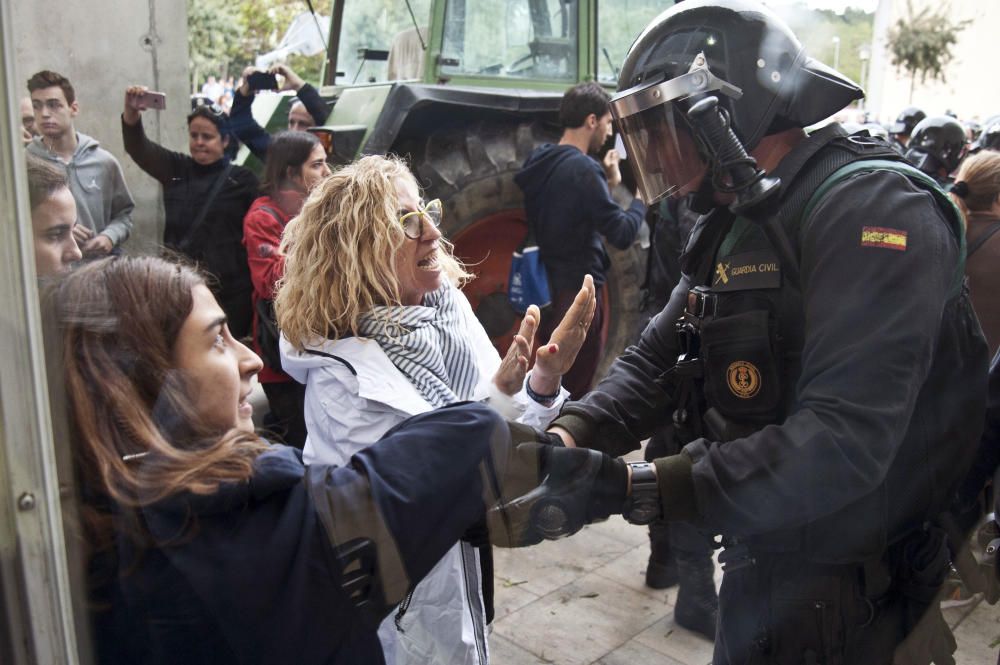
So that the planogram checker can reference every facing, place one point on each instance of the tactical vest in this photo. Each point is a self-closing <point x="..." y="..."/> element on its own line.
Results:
<point x="742" y="334"/>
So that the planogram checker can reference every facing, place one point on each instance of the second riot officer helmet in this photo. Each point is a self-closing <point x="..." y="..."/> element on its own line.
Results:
<point x="989" y="138"/>
<point x="907" y="119"/>
<point x="736" y="50"/>
<point x="937" y="142"/>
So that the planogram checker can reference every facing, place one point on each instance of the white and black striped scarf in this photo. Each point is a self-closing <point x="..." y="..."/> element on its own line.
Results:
<point x="429" y="344"/>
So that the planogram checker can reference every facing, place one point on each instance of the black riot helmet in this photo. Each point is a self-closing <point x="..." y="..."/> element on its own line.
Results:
<point x="989" y="138"/>
<point x="735" y="50"/>
<point x="937" y="142"/>
<point x="908" y="118"/>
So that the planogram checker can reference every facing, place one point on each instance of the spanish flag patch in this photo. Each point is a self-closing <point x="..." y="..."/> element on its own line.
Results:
<point x="878" y="236"/>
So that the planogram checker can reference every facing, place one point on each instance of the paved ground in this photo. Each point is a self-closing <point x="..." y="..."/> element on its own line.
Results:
<point x="582" y="600"/>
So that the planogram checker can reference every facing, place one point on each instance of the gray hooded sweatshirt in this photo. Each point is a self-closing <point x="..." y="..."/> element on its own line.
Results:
<point x="103" y="202"/>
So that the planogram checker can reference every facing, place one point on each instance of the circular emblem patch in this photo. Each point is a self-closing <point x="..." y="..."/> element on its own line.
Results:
<point x="743" y="378"/>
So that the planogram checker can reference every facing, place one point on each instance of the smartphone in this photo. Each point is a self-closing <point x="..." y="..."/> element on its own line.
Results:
<point x="262" y="81"/>
<point x="152" y="100"/>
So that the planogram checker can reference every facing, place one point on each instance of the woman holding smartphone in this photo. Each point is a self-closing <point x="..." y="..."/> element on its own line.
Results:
<point x="205" y="198"/>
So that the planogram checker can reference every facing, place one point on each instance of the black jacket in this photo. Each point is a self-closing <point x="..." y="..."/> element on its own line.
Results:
<point x="843" y="427"/>
<point x="255" y="573"/>
<point x="566" y="196"/>
<point x="218" y="242"/>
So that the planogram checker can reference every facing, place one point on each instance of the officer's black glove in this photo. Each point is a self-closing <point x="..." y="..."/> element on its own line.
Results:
<point x="571" y="487"/>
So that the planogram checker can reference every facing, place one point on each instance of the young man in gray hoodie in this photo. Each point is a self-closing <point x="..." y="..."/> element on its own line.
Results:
<point x="103" y="202"/>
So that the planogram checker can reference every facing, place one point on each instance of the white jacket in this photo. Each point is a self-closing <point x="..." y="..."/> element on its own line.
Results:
<point x="352" y="399"/>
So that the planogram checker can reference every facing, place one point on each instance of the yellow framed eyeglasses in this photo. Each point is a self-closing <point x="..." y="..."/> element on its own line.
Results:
<point x="413" y="222"/>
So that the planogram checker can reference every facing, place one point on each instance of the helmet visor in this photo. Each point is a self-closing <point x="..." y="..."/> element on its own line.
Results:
<point x="663" y="151"/>
<point x="659" y="139"/>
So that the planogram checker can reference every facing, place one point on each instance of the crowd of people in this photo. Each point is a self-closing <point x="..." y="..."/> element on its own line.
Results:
<point x="425" y="350"/>
<point x="814" y="380"/>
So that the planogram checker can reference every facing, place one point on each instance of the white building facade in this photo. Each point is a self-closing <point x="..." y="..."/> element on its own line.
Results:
<point x="971" y="89"/>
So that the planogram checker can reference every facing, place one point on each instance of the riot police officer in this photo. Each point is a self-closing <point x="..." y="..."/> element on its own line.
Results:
<point x="901" y="130"/>
<point x="989" y="138"/>
<point x="819" y="352"/>
<point x="936" y="147"/>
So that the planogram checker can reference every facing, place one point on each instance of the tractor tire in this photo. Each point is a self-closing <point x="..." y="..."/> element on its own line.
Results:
<point x="471" y="169"/>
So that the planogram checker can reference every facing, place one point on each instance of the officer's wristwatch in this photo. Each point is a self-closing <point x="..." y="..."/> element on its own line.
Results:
<point x="643" y="505"/>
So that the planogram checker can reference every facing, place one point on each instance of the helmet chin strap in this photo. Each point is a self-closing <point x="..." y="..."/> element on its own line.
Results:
<point x="733" y="170"/>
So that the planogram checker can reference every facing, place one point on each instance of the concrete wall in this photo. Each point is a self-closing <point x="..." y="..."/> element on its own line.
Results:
<point x="970" y="90"/>
<point x="102" y="46"/>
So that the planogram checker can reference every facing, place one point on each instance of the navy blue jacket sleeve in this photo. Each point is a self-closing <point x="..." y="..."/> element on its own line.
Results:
<point x="413" y="494"/>
<point x="310" y="98"/>
<point x="245" y="128"/>
<point x="619" y="227"/>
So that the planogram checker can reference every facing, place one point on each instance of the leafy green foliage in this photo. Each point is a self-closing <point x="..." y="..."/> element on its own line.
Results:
<point x="921" y="43"/>
<point x="618" y="24"/>
<point x="224" y="36"/>
<point x="820" y="30"/>
<point x="213" y="32"/>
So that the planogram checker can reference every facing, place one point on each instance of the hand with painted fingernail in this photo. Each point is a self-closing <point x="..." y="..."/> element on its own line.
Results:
<point x="556" y="356"/>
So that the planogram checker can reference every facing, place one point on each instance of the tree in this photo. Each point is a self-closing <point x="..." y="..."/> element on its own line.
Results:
<point x="834" y="39"/>
<point x="224" y="36"/>
<point x="921" y="43"/>
<point x="213" y="33"/>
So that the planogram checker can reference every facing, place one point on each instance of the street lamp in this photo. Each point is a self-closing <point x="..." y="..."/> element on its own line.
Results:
<point x="836" y="52"/>
<point x="864" y="54"/>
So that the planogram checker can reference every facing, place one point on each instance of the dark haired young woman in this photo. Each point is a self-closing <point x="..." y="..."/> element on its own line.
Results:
<point x="296" y="162"/>
<point x="208" y="545"/>
<point x="205" y="197"/>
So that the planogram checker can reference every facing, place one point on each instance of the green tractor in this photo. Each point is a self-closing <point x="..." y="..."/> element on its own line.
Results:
<point x="464" y="90"/>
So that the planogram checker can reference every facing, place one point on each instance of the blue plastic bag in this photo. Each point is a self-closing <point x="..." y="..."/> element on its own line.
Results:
<point x="527" y="283"/>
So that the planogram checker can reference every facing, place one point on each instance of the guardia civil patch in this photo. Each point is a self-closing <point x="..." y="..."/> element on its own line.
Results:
<point x="879" y="236"/>
<point x="743" y="378"/>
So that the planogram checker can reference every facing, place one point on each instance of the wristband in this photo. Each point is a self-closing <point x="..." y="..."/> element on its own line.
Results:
<point x="643" y="504"/>
<point x="545" y="400"/>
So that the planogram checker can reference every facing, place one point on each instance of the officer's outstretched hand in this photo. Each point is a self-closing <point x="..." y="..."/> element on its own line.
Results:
<point x="550" y="492"/>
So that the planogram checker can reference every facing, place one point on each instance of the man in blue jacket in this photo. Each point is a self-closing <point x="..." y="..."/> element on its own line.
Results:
<point x="567" y="196"/>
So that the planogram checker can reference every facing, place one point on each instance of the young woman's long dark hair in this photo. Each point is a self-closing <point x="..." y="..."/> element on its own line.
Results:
<point x="135" y="433"/>
<point x="288" y="150"/>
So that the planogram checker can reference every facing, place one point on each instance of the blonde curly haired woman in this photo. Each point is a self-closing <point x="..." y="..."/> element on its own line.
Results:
<point x="375" y="326"/>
